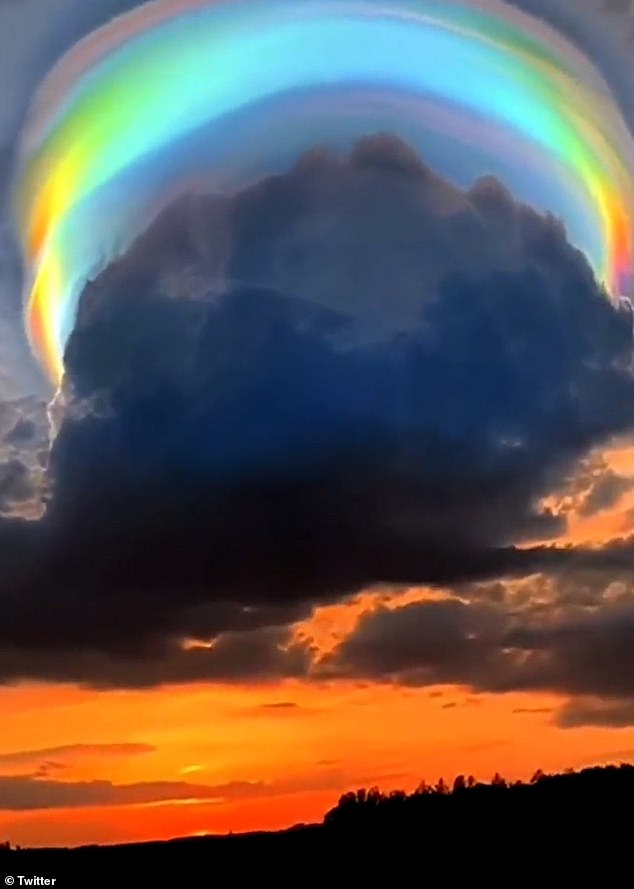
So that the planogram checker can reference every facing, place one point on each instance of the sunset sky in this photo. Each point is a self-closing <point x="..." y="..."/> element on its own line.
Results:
<point x="272" y="754"/>
<point x="355" y="623"/>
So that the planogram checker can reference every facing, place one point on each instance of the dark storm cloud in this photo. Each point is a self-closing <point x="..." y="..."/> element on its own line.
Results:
<point x="15" y="482"/>
<point x="422" y="643"/>
<point x="151" y="657"/>
<point x="160" y="532"/>
<point x="585" y="653"/>
<point x="352" y="373"/>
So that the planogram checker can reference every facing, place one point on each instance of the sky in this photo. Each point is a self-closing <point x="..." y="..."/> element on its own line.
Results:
<point x="290" y="537"/>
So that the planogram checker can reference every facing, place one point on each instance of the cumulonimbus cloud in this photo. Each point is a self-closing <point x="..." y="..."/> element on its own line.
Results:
<point x="349" y="374"/>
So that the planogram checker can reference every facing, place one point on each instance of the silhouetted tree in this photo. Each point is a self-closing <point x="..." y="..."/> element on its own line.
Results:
<point x="498" y="780"/>
<point x="374" y="797"/>
<point x="441" y="787"/>
<point x="469" y="803"/>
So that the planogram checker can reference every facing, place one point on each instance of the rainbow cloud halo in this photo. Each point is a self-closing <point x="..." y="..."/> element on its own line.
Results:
<point x="232" y="90"/>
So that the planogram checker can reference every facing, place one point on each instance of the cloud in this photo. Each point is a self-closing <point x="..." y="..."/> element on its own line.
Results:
<point x="583" y="652"/>
<point x="283" y="709"/>
<point x="265" y="654"/>
<point x="422" y="643"/>
<point x="281" y="705"/>
<point x="367" y="375"/>
<point x="284" y="434"/>
<point x="43" y="30"/>
<point x="605" y="492"/>
<point x="609" y="713"/>
<point x="24" y="793"/>
<point x="591" y="488"/>
<point x="69" y="753"/>
<point x="168" y="523"/>
<point x="522" y="711"/>
<point x="24" y="449"/>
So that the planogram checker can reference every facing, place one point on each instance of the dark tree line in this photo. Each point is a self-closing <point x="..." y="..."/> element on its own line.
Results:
<point x="483" y="827"/>
<point x="593" y="793"/>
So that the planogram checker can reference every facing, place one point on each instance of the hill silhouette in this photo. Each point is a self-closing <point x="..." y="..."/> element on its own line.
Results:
<point x="552" y="813"/>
